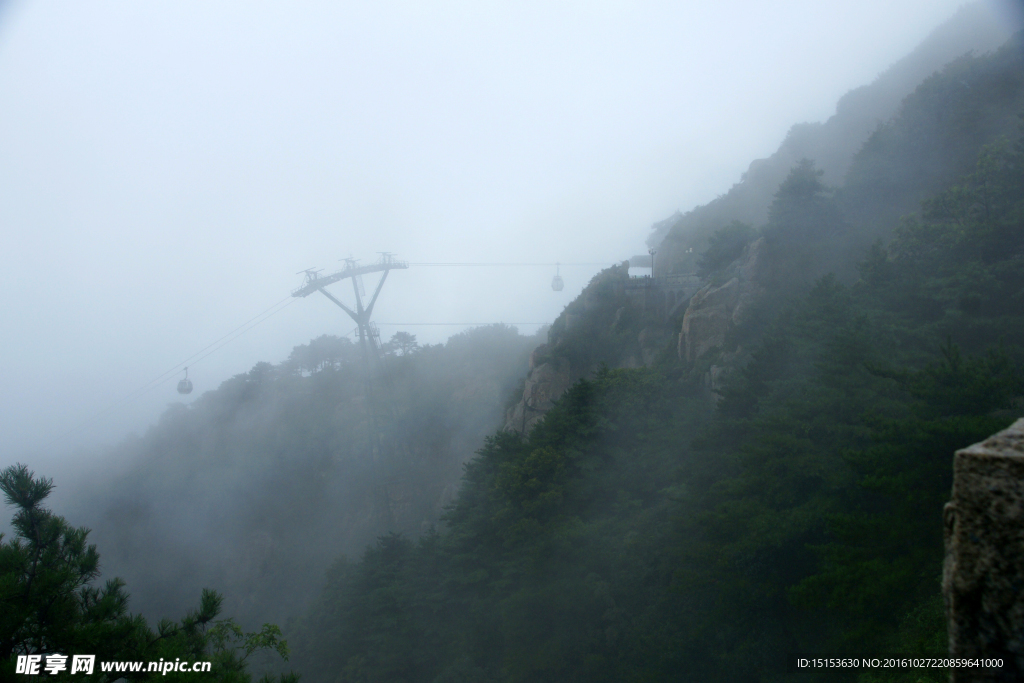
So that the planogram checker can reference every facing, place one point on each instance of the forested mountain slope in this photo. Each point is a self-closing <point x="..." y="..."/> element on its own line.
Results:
<point x="830" y="145"/>
<point x="772" y="482"/>
<point x="257" y="486"/>
<point x="757" y="468"/>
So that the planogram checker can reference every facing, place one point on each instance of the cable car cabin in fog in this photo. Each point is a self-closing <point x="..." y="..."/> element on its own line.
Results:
<point x="185" y="385"/>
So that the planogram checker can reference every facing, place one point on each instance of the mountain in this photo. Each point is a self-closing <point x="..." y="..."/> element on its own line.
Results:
<point x="684" y="478"/>
<point x="701" y="477"/>
<point x="975" y="28"/>
<point x="257" y="486"/>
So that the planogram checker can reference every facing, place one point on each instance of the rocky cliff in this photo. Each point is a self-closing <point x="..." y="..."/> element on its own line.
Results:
<point x="549" y="376"/>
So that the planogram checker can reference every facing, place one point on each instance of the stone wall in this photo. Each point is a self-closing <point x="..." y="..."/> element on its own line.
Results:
<point x="983" y="576"/>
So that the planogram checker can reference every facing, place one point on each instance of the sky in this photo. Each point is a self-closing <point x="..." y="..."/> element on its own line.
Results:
<point x="166" y="168"/>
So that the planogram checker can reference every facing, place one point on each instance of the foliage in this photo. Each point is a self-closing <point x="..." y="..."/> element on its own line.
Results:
<point x="724" y="246"/>
<point x="403" y="343"/>
<point x="647" y="530"/>
<point x="50" y="606"/>
<point x="257" y="486"/>
<point x="634" y="536"/>
<point x="935" y="139"/>
<point x="323" y="353"/>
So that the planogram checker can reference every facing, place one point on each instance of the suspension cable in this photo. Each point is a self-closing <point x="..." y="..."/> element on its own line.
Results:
<point x="171" y="373"/>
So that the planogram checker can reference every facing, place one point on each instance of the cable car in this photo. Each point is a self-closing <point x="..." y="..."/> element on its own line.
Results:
<point x="556" y="282"/>
<point x="185" y="385"/>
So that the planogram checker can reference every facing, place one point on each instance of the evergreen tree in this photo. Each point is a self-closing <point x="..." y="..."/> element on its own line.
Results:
<point x="49" y="605"/>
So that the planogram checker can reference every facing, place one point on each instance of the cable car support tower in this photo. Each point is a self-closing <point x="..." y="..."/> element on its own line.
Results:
<point x="369" y="342"/>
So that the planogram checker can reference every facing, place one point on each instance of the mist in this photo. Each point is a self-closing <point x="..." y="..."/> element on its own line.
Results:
<point x="662" y="290"/>
<point x="170" y="167"/>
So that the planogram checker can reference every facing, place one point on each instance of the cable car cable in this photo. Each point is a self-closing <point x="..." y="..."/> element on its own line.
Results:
<point x="269" y="312"/>
<point x="170" y="374"/>
<point x="245" y="330"/>
<point x="179" y="365"/>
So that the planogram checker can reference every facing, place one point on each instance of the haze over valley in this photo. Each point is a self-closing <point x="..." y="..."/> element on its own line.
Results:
<point x="545" y="456"/>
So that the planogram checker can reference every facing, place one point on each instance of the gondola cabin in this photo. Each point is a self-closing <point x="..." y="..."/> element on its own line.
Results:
<point x="185" y="385"/>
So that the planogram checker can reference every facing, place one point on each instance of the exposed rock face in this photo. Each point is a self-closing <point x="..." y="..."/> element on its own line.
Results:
<point x="744" y="305"/>
<point x="707" y="319"/>
<point x="652" y="342"/>
<point x="617" y="321"/>
<point x="750" y="261"/>
<point x="548" y="379"/>
<point x="983" y="576"/>
<point x="713" y="380"/>
<point x="601" y="308"/>
<point x="714" y="310"/>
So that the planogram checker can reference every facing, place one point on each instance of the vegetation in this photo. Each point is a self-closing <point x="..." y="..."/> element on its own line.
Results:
<point x="51" y="607"/>
<point x="679" y="521"/>
<point x="725" y="246"/>
<point x="257" y="486"/>
<point x="641" y="533"/>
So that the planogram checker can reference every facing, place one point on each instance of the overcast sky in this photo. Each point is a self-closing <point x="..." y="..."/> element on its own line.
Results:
<point x="167" y="167"/>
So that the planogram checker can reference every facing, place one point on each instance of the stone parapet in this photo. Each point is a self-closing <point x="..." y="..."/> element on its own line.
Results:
<point x="983" y="576"/>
